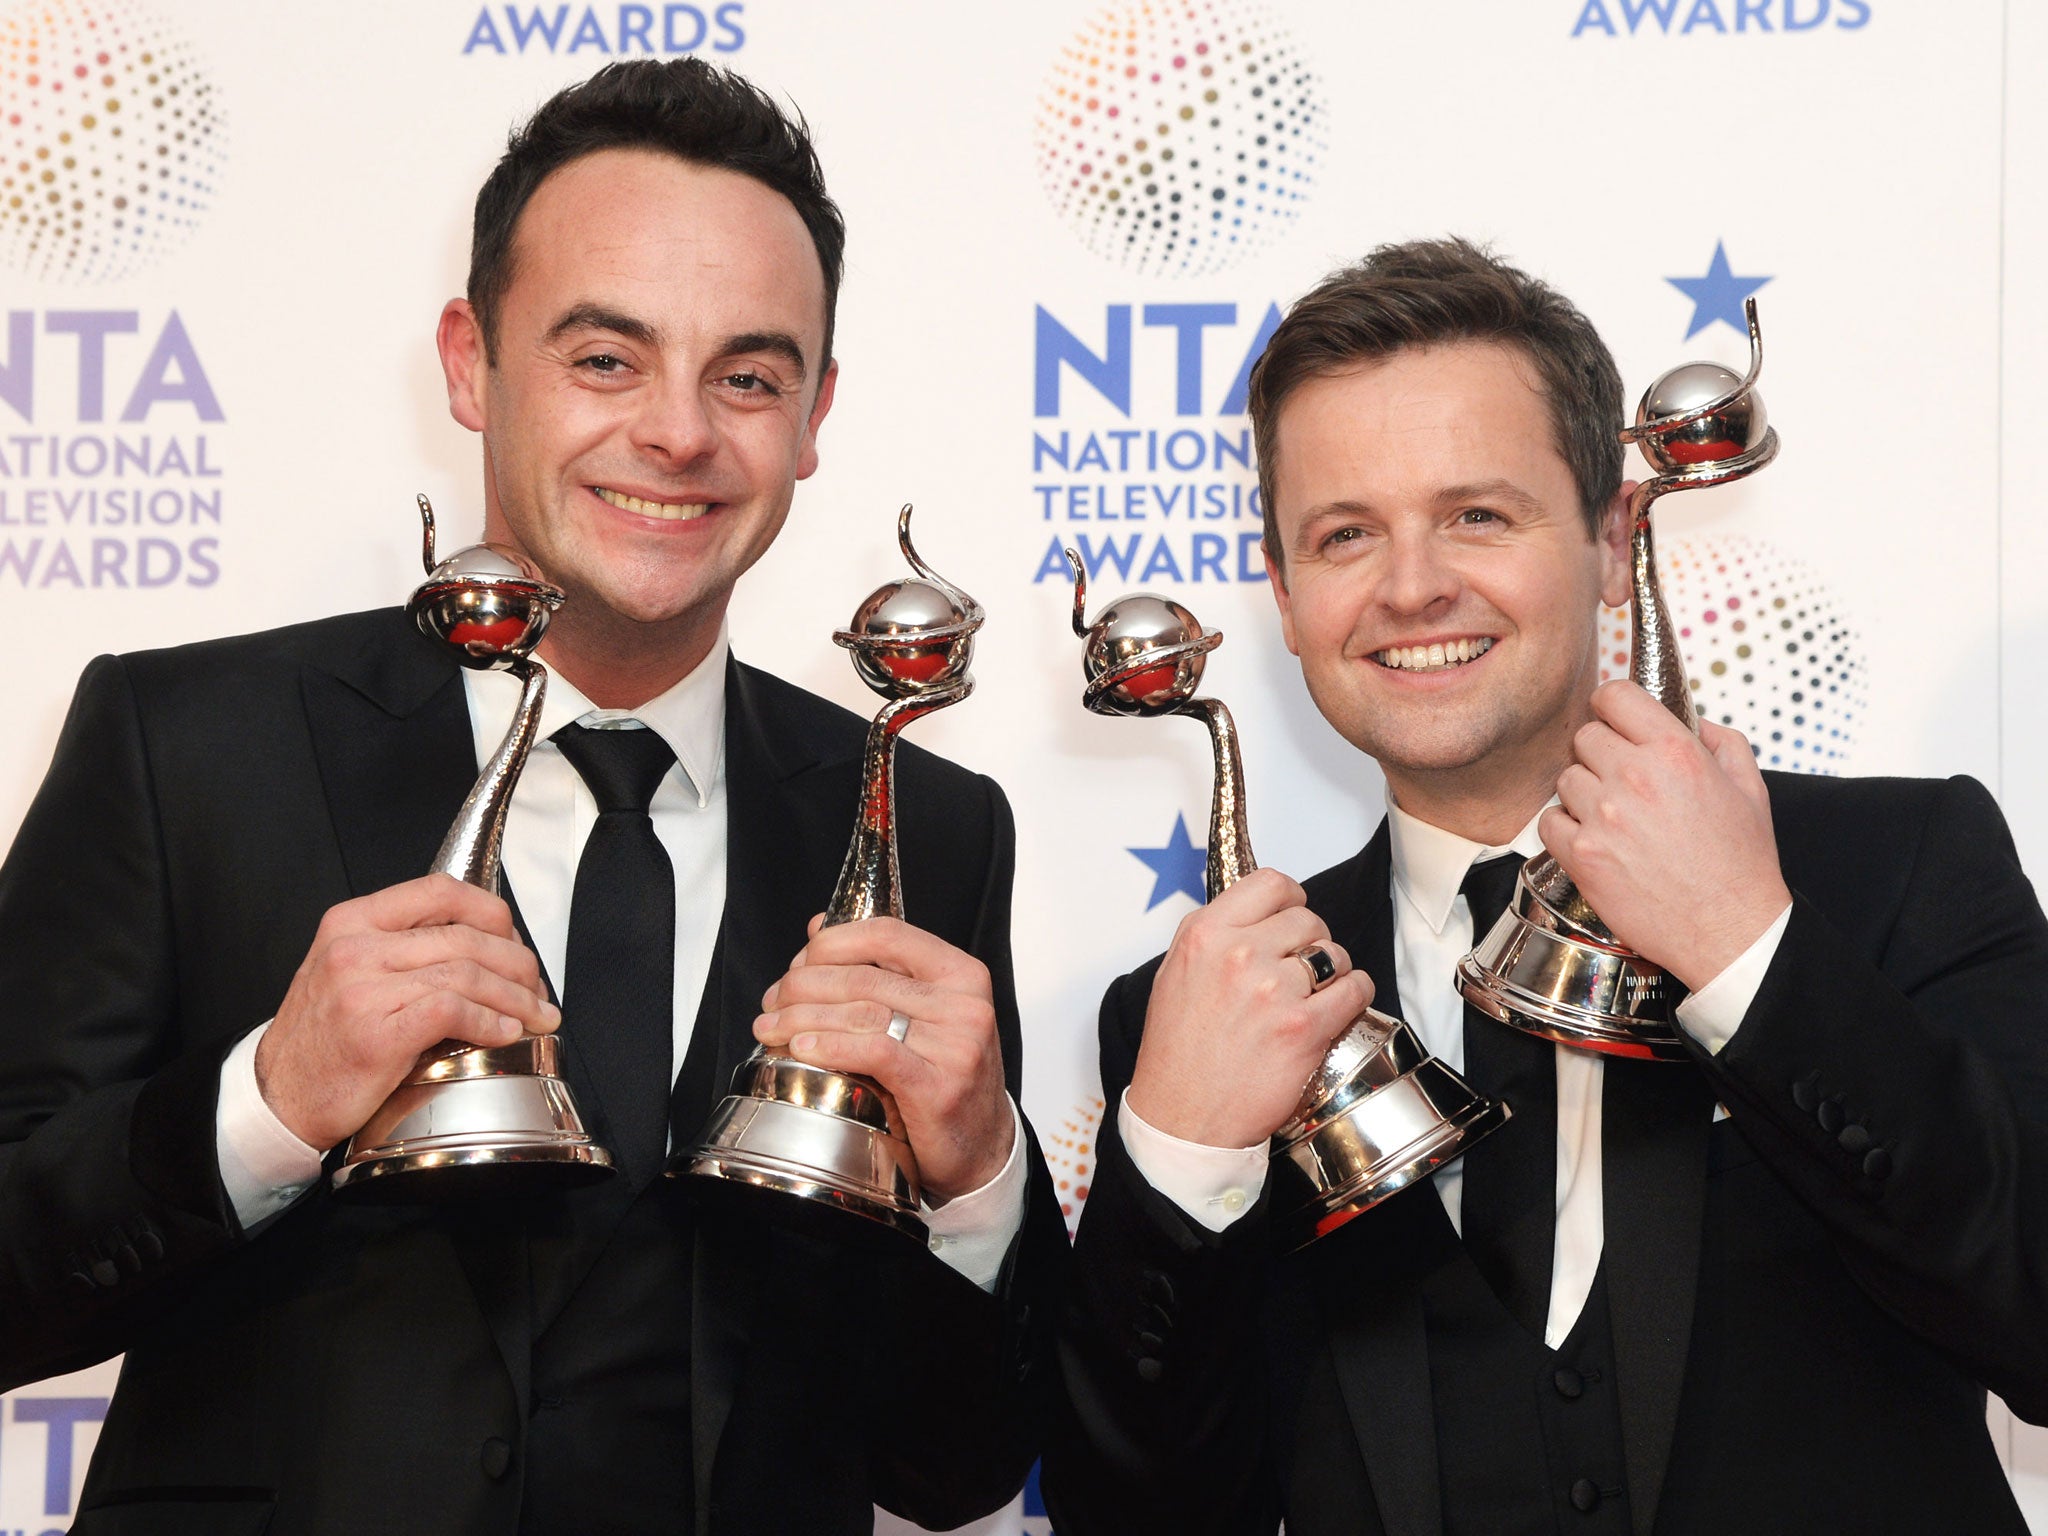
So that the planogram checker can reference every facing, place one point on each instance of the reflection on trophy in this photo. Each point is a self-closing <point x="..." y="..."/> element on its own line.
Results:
<point x="479" y="1119"/>
<point x="1380" y="1112"/>
<point x="1550" y="966"/>
<point x="836" y="1138"/>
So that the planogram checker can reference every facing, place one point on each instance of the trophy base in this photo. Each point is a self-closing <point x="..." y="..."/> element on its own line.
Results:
<point x="828" y="1138"/>
<point x="1398" y="1116"/>
<point x="470" y="1122"/>
<point x="1541" y="972"/>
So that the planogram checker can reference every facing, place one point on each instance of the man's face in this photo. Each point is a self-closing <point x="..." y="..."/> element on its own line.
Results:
<point x="656" y="391"/>
<point x="1420" y="504"/>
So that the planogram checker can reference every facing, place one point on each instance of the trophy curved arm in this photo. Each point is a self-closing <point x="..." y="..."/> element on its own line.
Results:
<point x="1080" y="593"/>
<point x="1665" y="425"/>
<point x="1230" y="839"/>
<point x="976" y="614"/>
<point x="426" y="532"/>
<point x="470" y="852"/>
<point x="869" y="881"/>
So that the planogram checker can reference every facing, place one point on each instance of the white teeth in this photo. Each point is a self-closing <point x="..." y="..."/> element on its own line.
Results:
<point x="1426" y="658"/>
<point x="671" y="511"/>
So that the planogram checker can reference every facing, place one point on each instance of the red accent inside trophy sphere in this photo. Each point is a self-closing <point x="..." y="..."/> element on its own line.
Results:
<point x="913" y="666"/>
<point x="1683" y="450"/>
<point x="497" y="633"/>
<point x="1152" y="680"/>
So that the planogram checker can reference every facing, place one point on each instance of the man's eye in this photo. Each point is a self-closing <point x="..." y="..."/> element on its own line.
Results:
<point x="602" y="362"/>
<point x="1478" y="516"/>
<point x="1343" y="536"/>
<point x="751" y="384"/>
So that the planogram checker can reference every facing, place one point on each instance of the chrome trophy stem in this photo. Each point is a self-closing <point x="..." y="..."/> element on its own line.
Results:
<point x="472" y="1120"/>
<point x="835" y="1139"/>
<point x="1550" y="966"/>
<point x="1380" y="1111"/>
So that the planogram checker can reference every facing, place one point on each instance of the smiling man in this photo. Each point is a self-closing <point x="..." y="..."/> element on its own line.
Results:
<point x="215" y="960"/>
<point x="1762" y="1289"/>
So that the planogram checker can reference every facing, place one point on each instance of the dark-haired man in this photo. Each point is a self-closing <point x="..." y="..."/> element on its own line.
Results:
<point x="229" y="836"/>
<point x="1759" y="1290"/>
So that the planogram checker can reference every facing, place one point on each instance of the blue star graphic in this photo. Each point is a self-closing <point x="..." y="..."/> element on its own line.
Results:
<point x="1718" y="295"/>
<point x="1179" y="866"/>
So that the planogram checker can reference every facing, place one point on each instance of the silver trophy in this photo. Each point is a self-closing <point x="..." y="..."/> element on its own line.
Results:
<point x="1380" y="1112"/>
<point x="836" y="1138"/>
<point x="1550" y="966"/>
<point x="473" y="1119"/>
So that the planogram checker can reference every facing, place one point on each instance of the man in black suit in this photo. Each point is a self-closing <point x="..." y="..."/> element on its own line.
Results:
<point x="1762" y="1289"/>
<point x="232" y="833"/>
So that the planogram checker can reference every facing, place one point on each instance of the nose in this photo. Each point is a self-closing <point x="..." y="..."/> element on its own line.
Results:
<point x="1417" y="575"/>
<point x="674" y="424"/>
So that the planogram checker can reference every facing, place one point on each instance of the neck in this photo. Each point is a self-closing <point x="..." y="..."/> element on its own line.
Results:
<point x="623" y="670"/>
<point x="1488" y="802"/>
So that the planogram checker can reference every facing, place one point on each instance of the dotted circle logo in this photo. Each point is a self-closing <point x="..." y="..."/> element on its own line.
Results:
<point x="1070" y="1154"/>
<point x="1179" y="136"/>
<point x="1767" y="649"/>
<point x="112" y="139"/>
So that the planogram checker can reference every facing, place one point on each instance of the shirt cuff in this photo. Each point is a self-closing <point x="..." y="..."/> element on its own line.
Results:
<point x="1713" y="1014"/>
<point x="973" y="1233"/>
<point x="1213" y="1185"/>
<point x="263" y="1166"/>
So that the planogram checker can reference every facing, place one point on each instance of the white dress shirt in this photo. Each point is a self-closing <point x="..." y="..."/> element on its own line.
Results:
<point x="1432" y="933"/>
<point x="264" y="1167"/>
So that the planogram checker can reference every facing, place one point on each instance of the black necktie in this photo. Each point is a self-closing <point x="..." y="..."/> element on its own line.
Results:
<point x="1510" y="1198"/>
<point x="618" y="983"/>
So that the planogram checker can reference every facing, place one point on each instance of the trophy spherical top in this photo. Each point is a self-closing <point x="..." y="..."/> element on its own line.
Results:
<point x="910" y="636"/>
<point x="1734" y="429"/>
<point x="1127" y="632"/>
<point x="488" y="602"/>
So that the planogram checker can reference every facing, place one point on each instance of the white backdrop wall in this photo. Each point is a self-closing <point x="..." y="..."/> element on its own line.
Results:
<point x="242" y="350"/>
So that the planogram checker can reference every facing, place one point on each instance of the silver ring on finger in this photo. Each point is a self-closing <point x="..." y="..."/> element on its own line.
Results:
<point x="1322" y="970"/>
<point x="899" y="1026"/>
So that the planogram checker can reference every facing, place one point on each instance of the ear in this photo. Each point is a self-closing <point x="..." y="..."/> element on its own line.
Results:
<point x="460" y="340"/>
<point x="807" y="454"/>
<point x="1616" y="527"/>
<point x="1277" y="580"/>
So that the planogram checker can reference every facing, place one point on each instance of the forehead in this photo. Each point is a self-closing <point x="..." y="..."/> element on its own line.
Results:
<point x="669" y="240"/>
<point x="1425" y="417"/>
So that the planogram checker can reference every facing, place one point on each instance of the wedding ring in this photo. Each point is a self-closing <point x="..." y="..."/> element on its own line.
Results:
<point x="1322" y="970"/>
<point x="899" y="1025"/>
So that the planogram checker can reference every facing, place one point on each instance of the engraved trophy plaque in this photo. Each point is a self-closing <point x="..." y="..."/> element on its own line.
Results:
<point x="1550" y="966"/>
<point x="473" y="1120"/>
<point x="1380" y="1112"/>
<point x="836" y="1138"/>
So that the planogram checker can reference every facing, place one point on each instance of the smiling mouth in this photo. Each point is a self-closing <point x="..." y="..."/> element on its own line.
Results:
<point x="668" y="511"/>
<point x="1433" y="658"/>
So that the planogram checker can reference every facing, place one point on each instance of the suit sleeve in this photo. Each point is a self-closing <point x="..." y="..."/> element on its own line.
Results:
<point x="109" y="1182"/>
<point x="1160" y="1415"/>
<point x="965" y="1370"/>
<point x="1903" y="1096"/>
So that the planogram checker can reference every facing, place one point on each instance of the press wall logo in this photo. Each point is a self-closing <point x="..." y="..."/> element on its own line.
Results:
<point x="115" y="142"/>
<point x="1768" y="649"/>
<point x="1689" y="18"/>
<point x="1179" y="136"/>
<point x="607" y="30"/>
<point x="67" y="1428"/>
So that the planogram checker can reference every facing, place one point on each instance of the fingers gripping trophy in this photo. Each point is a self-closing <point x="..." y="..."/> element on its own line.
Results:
<point x="479" y="1119"/>
<point x="835" y="1138"/>
<point x="1551" y="966"/>
<point x="1380" y="1112"/>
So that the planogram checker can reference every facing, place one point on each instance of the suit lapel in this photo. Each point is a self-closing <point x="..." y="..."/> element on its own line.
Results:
<point x="1653" y="1157"/>
<point x="1370" y="1272"/>
<point x="391" y="732"/>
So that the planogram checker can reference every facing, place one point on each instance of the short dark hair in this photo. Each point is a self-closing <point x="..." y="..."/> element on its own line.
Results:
<point x="682" y="107"/>
<point x="1427" y="292"/>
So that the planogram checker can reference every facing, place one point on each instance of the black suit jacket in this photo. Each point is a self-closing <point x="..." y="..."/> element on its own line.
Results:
<point x="1808" y="1297"/>
<point x="352" y="1370"/>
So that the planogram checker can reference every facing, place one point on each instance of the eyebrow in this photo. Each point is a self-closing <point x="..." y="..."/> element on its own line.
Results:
<point x="1488" y="490"/>
<point x="780" y="343"/>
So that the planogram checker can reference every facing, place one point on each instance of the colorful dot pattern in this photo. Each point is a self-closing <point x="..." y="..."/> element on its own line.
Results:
<point x="1767" y="649"/>
<point x="1070" y="1154"/>
<point x="1179" y="136"/>
<point x="112" y="139"/>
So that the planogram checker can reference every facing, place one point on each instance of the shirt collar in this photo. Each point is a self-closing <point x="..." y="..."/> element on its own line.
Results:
<point x="1430" y="863"/>
<point x="689" y="716"/>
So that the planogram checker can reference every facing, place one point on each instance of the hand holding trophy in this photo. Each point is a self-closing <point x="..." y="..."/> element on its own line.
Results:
<point x="1550" y="966"/>
<point x="1380" y="1112"/>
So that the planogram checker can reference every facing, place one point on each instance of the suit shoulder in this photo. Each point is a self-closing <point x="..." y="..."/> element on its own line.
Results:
<point x="249" y="658"/>
<point x="1841" y="806"/>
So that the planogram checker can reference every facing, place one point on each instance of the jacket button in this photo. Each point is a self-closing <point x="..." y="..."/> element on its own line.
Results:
<point x="1829" y="1115"/>
<point x="81" y="1282"/>
<point x="1570" y="1384"/>
<point x="105" y="1272"/>
<point x="1854" y="1140"/>
<point x="1806" y="1094"/>
<point x="1585" y="1496"/>
<point x="1150" y="1369"/>
<point x="1877" y="1163"/>
<point x="496" y="1458"/>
